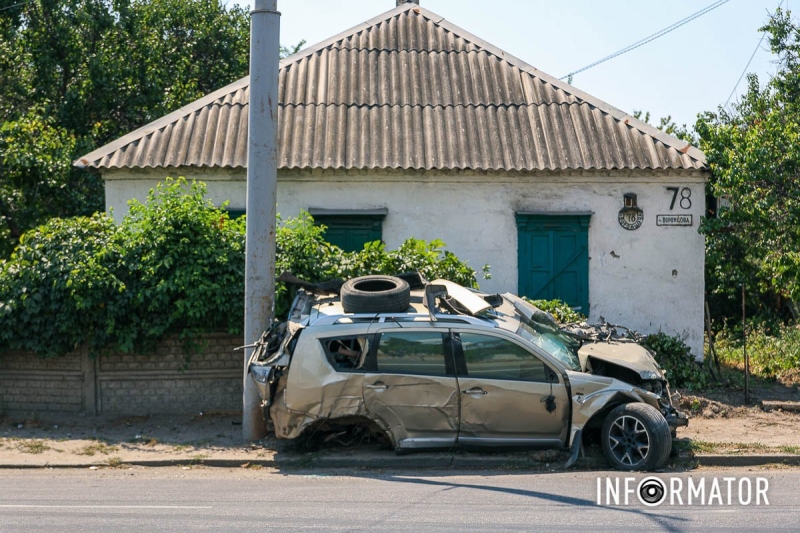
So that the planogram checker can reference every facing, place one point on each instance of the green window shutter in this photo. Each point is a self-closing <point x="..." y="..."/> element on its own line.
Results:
<point x="351" y="232"/>
<point x="235" y="213"/>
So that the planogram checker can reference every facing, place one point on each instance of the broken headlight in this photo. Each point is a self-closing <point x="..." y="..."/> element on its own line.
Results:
<point x="260" y="373"/>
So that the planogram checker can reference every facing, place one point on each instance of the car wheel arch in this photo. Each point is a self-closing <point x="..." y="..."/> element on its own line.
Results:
<point x="352" y="423"/>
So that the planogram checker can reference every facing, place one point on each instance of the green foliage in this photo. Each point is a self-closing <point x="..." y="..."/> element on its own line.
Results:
<point x="175" y="265"/>
<point x="59" y="285"/>
<point x="108" y="66"/>
<point x="754" y="154"/>
<point x="37" y="180"/>
<point x="414" y="255"/>
<point x="183" y="264"/>
<point x="301" y="249"/>
<point x="76" y="74"/>
<point x="676" y="359"/>
<point x="772" y="354"/>
<point x="668" y="126"/>
<point x="287" y="51"/>
<point x="562" y="312"/>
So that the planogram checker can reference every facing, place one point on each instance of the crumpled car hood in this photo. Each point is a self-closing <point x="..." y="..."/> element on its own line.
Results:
<point x="626" y="354"/>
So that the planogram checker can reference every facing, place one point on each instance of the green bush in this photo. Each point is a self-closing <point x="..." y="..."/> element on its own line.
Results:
<point x="772" y="354"/>
<point x="183" y="265"/>
<point x="59" y="284"/>
<point x="175" y="265"/>
<point x="301" y="249"/>
<point x="561" y="310"/>
<point x="676" y="359"/>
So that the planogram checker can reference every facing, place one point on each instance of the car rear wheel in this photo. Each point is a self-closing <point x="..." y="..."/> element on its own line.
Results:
<point x="375" y="294"/>
<point x="636" y="437"/>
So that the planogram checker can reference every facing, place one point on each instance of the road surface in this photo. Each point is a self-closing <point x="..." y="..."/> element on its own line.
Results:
<point x="206" y="499"/>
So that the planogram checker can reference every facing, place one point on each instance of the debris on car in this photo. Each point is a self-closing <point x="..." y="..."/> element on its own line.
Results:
<point x="436" y="365"/>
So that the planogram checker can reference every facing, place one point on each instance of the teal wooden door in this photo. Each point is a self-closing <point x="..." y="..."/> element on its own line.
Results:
<point x="553" y="258"/>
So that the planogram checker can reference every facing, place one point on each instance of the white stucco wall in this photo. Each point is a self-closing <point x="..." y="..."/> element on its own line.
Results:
<point x="649" y="279"/>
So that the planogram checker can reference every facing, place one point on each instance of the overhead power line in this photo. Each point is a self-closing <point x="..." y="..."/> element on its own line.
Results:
<point x="747" y="66"/>
<point x="650" y="38"/>
<point x="17" y="5"/>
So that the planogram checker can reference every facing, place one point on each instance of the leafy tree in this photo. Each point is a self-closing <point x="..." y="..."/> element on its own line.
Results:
<point x="287" y="51"/>
<point x="76" y="74"/>
<point x="37" y="181"/>
<point x="754" y="154"/>
<point x="183" y="266"/>
<point x="668" y="126"/>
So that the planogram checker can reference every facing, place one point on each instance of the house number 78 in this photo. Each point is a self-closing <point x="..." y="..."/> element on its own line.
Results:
<point x="685" y="200"/>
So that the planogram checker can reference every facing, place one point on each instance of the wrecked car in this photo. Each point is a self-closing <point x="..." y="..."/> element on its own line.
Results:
<point x="437" y="365"/>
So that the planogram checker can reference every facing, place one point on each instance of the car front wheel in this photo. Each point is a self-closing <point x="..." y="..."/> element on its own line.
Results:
<point x="636" y="437"/>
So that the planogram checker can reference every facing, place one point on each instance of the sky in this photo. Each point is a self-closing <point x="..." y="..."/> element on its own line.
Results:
<point x="687" y="71"/>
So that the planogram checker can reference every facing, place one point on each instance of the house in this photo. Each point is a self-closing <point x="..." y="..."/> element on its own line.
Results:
<point x="407" y="125"/>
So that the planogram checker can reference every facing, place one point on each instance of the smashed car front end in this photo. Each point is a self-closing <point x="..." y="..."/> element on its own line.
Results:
<point x="606" y="368"/>
<point x="628" y="362"/>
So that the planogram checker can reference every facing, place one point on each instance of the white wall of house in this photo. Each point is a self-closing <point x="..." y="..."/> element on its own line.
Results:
<point x="649" y="279"/>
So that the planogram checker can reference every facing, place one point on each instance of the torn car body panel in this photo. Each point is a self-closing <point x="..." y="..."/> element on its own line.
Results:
<point x="416" y="411"/>
<point x="627" y="354"/>
<point x="595" y="394"/>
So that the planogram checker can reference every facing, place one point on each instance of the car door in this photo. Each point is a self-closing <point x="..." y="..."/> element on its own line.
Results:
<point x="411" y="386"/>
<point x="509" y="395"/>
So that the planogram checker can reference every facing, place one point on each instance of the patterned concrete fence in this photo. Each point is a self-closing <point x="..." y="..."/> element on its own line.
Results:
<point x="160" y="382"/>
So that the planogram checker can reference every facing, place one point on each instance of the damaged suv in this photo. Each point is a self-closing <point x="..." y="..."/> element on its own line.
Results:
<point x="436" y="365"/>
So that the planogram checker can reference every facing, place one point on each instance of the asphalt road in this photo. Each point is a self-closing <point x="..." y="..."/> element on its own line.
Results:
<point x="174" y="499"/>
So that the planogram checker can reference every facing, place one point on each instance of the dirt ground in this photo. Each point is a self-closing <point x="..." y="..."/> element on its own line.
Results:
<point x="720" y="423"/>
<point x="721" y="416"/>
<point x="74" y="439"/>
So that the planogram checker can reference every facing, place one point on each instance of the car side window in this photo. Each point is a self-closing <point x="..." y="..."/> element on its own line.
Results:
<point x="497" y="358"/>
<point x="412" y="352"/>
<point x="347" y="354"/>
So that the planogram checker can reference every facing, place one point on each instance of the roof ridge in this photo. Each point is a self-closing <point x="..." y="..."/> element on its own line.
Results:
<point x="616" y="113"/>
<point x="311" y="50"/>
<point x="467" y="105"/>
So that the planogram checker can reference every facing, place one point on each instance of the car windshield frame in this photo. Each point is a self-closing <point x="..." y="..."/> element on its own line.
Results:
<point x="546" y="336"/>
<point x="554" y="342"/>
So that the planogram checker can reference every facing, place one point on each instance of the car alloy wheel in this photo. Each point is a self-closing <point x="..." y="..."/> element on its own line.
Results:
<point x="628" y="441"/>
<point x="636" y="436"/>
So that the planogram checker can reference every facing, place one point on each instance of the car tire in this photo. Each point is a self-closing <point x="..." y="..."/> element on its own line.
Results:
<point x="375" y="294"/>
<point x="636" y="436"/>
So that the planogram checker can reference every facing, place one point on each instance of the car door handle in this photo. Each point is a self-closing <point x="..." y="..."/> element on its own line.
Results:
<point x="475" y="390"/>
<point x="378" y="386"/>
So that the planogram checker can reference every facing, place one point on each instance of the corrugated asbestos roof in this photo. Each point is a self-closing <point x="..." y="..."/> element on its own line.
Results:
<point x="407" y="90"/>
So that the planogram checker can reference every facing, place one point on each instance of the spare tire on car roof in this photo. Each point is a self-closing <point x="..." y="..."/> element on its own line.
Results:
<point x="375" y="294"/>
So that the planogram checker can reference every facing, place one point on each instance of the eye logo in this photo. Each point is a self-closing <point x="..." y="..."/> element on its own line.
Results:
<point x="652" y="491"/>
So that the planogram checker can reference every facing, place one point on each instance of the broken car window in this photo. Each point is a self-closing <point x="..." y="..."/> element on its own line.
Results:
<point x="412" y="352"/>
<point x="347" y="353"/>
<point x="554" y="342"/>
<point x="495" y="358"/>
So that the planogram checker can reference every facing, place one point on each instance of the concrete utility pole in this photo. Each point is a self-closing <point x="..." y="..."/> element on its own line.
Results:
<point x="262" y="178"/>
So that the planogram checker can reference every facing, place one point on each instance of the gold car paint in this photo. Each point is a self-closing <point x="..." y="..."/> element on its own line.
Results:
<point x="591" y="394"/>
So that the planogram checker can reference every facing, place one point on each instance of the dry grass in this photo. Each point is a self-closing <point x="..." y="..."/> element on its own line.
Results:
<point x="98" y="447"/>
<point x="33" y="446"/>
